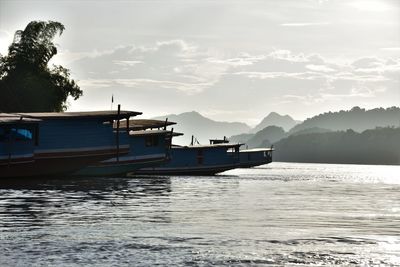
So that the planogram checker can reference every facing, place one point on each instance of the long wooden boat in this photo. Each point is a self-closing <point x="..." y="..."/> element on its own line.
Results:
<point x="249" y="157"/>
<point x="255" y="157"/>
<point x="218" y="156"/>
<point x="48" y="144"/>
<point x="149" y="146"/>
<point x="198" y="160"/>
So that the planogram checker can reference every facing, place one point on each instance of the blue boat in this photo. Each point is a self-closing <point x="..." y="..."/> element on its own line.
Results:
<point x="198" y="160"/>
<point x="48" y="144"/>
<point x="255" y="157"/>
<point x="148" y="148"/>
<point x="249" y="157"/>
<point x="17" y="143"/>
<point x="218" y="156"/>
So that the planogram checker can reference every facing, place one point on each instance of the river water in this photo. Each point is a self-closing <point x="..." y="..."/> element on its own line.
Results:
<point x="277" y="214"/>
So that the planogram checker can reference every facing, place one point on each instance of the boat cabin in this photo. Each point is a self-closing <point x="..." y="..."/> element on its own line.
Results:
<point x="64" y="142"/>
<point x="148" y="148"/>
<point x="18" y="137"/>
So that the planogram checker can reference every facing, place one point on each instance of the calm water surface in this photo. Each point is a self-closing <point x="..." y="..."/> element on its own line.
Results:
<point x="277" y="214"/>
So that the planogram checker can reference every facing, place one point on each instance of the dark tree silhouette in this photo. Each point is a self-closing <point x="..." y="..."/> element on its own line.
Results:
<point x="27" y="84"/>
<point x="374" y="146"/>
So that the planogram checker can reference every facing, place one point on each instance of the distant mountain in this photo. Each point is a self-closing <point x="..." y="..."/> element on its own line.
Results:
<point x="193" y="123"/>
<point x="269" y="135"/>
<point x="241" y="138"/>
<point x="274" y="119"/>
<point x="357" y="119"/>
<point x="376" y="146"/>
<point x="266" y="137"/>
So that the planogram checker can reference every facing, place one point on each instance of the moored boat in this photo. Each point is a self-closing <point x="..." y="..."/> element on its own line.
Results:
<point x="249" y="157"/>
<point x="58" y="143"/>
<point x="218" y="156"/>
<point x="198" y="160"/>
<point x="148" y="148"/>
<point x="255" y="157"/>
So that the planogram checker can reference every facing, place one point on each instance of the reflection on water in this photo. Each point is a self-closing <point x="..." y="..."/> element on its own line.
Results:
<point x="307" y="214"/>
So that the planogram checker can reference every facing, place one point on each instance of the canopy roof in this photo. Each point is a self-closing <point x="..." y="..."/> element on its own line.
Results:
<point x="176" y="134"/>
<point x="148" y="132"/>
<point x="7" y="118"/>
<point x="208" y="146"/>
<point x="104" y="115"/>
<point x="258" y="149"/>
<point x="144" y="124"/>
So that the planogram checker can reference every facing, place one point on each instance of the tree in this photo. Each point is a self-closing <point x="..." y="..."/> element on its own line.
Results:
<point x="27" y="84"/>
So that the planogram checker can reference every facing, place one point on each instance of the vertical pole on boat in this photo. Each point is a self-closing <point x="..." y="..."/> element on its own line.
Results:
<point x="127" y="125"/>
<point x="192" y="140"/>
<point x="118" y="115"/>
<point x="172" y="134"/>
<point x="165" y="125"/>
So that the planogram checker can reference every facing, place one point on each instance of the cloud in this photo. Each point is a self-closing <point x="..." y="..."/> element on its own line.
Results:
<point x="173" y="65"/>
<point x="322" y="68"/>
<point x="390" y="48"/>
<point x="370" y="5"/>
<point x="182" y="76"/>
<point x="304" y="24"/>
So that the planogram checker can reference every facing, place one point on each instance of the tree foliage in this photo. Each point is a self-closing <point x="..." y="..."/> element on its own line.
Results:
<point x="27" y="84"/>
<point x="357" y="119"/>
<point x="374" y="146"/>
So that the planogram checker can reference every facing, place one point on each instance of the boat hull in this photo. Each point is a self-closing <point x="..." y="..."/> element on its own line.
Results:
<point x="122" y="166"/>
<point x="54" y="164"/>
<point x="254" y="157"/>
<point x="208" y="160"/>
<point x="198" y="171"/>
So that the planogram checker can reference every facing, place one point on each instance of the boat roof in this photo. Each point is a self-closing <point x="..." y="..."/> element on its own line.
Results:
<point x="7" y="118"/>
<point x="207" y="146"/>
<point x="143" y="124"/>
<point x="176" y="134"/>
<point x="257" y="149"/>
<point x="105" y="115"/>
<point x="148" y="132"/>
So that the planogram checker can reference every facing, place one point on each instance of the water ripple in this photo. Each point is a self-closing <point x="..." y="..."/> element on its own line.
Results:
<point x="279" y="214"/>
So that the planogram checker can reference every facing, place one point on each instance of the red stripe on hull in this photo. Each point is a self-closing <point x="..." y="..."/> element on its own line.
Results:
<point x="186" y="171"/>
<point x="123" y="162"/>
<point x="68" y="154"/>
<point x="16" y="161"/>
<point x="57" y="164"/>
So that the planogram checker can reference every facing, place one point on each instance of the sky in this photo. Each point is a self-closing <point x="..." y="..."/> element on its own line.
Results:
<point x="229" y="60"/>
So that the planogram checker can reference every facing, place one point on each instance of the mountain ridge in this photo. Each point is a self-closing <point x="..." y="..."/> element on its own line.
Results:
<point x="275" y="119"/>
<point x="357" y="119"/>
<point x="203" y="128"/>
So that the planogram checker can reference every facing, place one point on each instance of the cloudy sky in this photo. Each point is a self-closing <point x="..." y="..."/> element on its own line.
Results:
<point x="229" y="60"/>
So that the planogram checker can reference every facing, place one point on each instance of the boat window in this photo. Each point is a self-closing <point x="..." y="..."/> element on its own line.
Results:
<point x="22" y="134"/>
<point x="16" y="134"/>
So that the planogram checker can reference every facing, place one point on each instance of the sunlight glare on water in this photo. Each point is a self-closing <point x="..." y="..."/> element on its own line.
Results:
<point x="281" y="213"/>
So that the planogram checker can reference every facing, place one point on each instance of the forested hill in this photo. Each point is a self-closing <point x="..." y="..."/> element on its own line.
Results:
<point x="357" y="119"/>
<point x="377" y="146"/>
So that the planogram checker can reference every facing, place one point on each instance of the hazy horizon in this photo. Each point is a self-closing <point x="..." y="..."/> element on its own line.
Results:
<point x="228" y="60"/>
